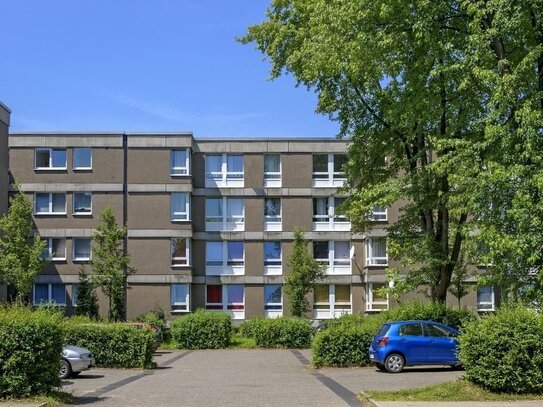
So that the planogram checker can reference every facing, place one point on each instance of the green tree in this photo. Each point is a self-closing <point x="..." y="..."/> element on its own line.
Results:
<point x="305" y="273"/>
<point x="427" y="92"/>
<point x="110" y="265"/>
<point x="21" y="250"/>
<point x="87" y="302"/>
<point x="459" y="288"/>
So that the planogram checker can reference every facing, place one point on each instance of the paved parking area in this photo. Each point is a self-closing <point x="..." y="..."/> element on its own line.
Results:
<point x="240" y="378"/>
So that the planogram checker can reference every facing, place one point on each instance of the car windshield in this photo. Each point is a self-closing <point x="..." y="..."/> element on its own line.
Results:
<point x="384" y="329"/>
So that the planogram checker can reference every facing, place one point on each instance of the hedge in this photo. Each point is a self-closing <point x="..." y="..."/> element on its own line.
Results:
<point x="30" y="347"/>
<point x="113" y="345"/>
<point x="202" y="330"/>
<point x="156" y="317"/>
<point x="504" y="351"/>
<point x="283" y="332"/>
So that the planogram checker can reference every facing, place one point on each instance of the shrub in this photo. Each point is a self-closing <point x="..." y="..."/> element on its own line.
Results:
<point x="202" y="330"/>
<point x="504" y="351"/>
<point x="346" y="319"/>
<point x="250" y="327"/>
<point x="346" y="343"/>
<point x="116" y="345"/>
<point x="156" y="317"/>
<point x="283" y="332"/>
<point x="431" y="311"/>
<point x="30" y="347"/>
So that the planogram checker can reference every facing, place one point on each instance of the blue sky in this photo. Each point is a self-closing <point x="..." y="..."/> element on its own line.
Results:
<point x="146" y="65"/>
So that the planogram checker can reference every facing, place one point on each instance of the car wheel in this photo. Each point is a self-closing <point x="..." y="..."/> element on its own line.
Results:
<point x="65" y="369"/>
<point x="394" y="363"/>
<point x="381" y="367"/>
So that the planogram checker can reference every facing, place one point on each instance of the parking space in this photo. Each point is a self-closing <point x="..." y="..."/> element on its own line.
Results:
<point x="240" y="378"/>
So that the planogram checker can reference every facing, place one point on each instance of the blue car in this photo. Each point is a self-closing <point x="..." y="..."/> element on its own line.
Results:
<point x="409" y="343"/>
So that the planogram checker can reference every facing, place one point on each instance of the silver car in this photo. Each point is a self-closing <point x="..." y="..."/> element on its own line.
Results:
<point x="74" y="360"/>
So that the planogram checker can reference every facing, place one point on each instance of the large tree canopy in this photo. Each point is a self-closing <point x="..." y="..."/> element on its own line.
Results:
<point x="418" y="87"/>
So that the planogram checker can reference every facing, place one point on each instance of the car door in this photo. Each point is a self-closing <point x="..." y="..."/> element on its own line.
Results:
<point x="412" y="343"/>
<point x="442" y="344"/>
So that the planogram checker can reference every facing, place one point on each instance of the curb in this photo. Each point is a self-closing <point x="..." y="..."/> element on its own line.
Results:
<point x="368" y="400"/>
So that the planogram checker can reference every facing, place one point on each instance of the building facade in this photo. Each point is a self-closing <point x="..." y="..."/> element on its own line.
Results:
<point x="210" y="221"/>
<point x="4" y="170"/>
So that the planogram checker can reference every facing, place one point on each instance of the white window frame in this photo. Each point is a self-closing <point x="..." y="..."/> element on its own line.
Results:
<point x="49" y="295"/>
<point x="225" y="178"/>
<point x="50" y="166"/>
<point x="75" y="296"/>
<point x="50" y="198"/>
<point x="486" y="306"/>
<point x="74" y="167"/>
<point x="273" y="309"/>
<point x="236" y="313"/>
<point x="372" y="260"/>
<point x="226" y="222"/>
<point x="183" y="261"/>
<point x="179" y="306"/>
<point x="182" y="216"/>
<point x="273" y="222"/>
<point x="79" y="213"/>
<point x="273" y="266"/>
<point x="372" y="305"/>
<point x="330" y="221"/>
<point x="78" y="259"/>
<point x="272" y="179"/>
<point x="180" y="171"/>
<point x="330" y="178"/>
<point x="327" y="310"/>
<point x="379" y="214"/>
<point x="50" y="249"/>
<point x="335" y="266"/>
<point x="224" y="265"/>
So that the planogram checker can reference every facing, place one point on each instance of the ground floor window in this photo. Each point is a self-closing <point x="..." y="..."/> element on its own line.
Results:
<point x="179" y="294"/>
<point x="226" y="297"/>
<point x="331" y="300"/>
<point x="376" y="300"/>
<point x="485" y="299"/>
<point x="48" y="294"/>
<point x="273" y="300"/>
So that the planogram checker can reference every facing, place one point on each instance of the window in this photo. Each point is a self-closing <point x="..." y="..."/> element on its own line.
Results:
<point x="375" y="299"/>
<point x="180" y="251"/>
<point x="334" y="255"/>
<point x="485" y="298"/>
<point x="331" y="300"/>
<point x="75" y="288"/>
<point x="180" y="162"/>
<point x="81" y="249"/>
<point x="180" y="206"/>
<point x="55" y="249"/>
<point x="341" y="253"/>
<point x="225" y="258"/>
<point x="438" y="331"/>
<point x="224" y="170"/>
<point x="272" y="170"/>
<point x="225" y="214"/>
<point x="272" y="214"/>
<point x="376" y="251"/>
<point x="47" y="294"/>
<point x="272" y="258"/>
<point x="379" y="214"/>
<point x="82" y="158"/>
<point x="227" y="297"/>
<point x="320" y="252"/>
<point x="179" y="295"/>
<point x="82" y="203"/>
<point x="410" y="330"/>
<point x="328" y="170"/>
<point x="50" y="203"/>
<point x="50" y="159"/>
<point x="273" y="300"/>
<point x="326" y="216"/>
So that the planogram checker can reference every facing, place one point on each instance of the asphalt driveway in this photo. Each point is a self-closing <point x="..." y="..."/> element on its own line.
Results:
<point x="241" y="378"/>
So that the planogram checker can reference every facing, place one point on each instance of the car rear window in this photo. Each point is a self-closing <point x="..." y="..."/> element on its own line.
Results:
<point x="384" y="329"/>
<point x="410" y="330"/>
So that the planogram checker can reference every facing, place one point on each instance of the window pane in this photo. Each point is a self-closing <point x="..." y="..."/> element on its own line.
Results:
<point x="59" y="158"/>
<point x="320" y="162"/>
<point x="320" y="250"/>
<point x="272" y="207"/>
<point x="42" y="202"/>
<point x="179" y="205"/>
<point x="214" y="211"/>
<point x="321" y="293"/>
<point x="179" y="158"/>
<point x="58" y="247"/>
<point x="342" y="250"/>
<point x="376" y="293"/>
<point x="179" y="293"/>
<point x="82" y="157"/>
<point x="213" y="163"/>
<point x="410" y="330"/>
<point x="59" y="202"/>
<point x="42" y="158"/>
<point x="46" y="253"/>
<point x="235" y="293"/>
<point x="343" y="293"/>
<point x="484" y="294"/>
<point x="82" y="202"/>
<point x="378" y="247"/>
<point x="58" y="293"/>
<point x="82" y="248"/>
<point x="75" y="293"/>
<point x="272" y="163"/>
<point x="235" y="207"/>
<point x="320" y="206"/>
<point x="438" y="331"/>
<point x="339" y="161"/>
<point x="214" y="252"/>
<point x="41" y="293"/>
<point x="272" y="293"/>
<point x="272" y="250"/>
<point x="179" y="248"/>
<point x="235" y="250"/>
<point x="214" y="293"/>
<point x="234" y="163"/>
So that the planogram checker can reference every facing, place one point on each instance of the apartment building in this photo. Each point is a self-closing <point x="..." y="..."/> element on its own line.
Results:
<point x="4" y="179"/>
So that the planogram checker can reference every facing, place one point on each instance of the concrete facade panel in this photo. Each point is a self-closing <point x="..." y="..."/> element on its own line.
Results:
<point x="144" y="298"/>
<point x="253" y="170"/>
<point x="152" y="211"/>
<point x="297" y="213"/>
<point x="254" y="301"/>
<point x="150" y="256"/>
<point x="254" y="214"/>
<point x="149" y="166"/>
<point x="296" y="170"/>
<point x="254" y="258"/>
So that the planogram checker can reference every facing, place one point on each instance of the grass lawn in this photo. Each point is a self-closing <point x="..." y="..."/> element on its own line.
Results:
<point x="55" y="398"/>
<point x="237" y="341"/>
<point x="460" y="390"/>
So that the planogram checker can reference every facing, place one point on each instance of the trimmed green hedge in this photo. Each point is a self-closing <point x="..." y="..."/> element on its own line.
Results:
<point x="30" y="347"/>
<point x="283" y="332"/>
<point x="116" y="345"/>
<point x="202" y="330"/>
<point x="156" y="317"/>
<point x="504" y="351"/>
